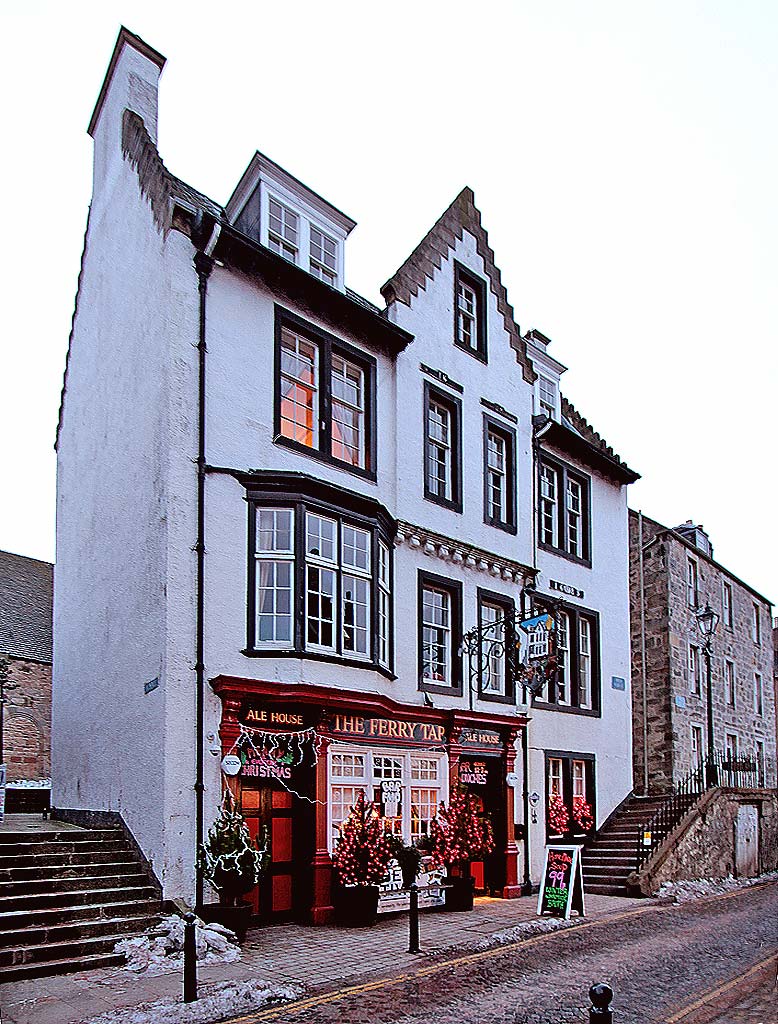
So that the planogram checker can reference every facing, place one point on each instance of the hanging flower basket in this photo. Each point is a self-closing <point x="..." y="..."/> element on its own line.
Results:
<point x="558" y="816"/>
<point x="582" y="814"/>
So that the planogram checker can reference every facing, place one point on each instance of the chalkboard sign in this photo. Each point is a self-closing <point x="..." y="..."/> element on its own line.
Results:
<point x="561" y="887"/>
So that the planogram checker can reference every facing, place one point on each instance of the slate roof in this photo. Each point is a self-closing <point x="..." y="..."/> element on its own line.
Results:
<point x="26" y="591"/>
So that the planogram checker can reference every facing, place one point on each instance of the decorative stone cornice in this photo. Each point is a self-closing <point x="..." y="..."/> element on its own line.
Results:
<point x="435" y="545"/>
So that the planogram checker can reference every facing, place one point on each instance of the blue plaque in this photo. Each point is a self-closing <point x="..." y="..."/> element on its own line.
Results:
<point x="152" y="684"/>
<point x="618" y="683"/>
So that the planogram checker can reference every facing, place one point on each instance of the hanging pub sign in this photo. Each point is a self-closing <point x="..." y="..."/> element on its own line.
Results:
<point x="536" y="662"/>
<point x="561" y="887"/>
<point x="473" y="773"/>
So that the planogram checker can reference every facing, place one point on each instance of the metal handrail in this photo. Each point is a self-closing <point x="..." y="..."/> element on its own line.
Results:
<point x="723" y="769"/>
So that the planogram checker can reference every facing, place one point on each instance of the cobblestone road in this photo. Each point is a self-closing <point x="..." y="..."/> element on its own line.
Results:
<point x="659" y="961"/>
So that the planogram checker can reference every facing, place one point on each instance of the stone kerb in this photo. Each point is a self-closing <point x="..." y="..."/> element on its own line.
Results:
<point x="702" y="845"/>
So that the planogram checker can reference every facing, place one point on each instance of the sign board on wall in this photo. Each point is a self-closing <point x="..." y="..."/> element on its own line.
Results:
<point x="473" y="773"/>
<point x="561" y="887"/>
<point x="359" y="726"/>
<point x="392" y="896"/>
<point x="487" y="740"/>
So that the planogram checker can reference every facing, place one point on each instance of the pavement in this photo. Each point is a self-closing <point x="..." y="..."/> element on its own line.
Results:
<point x="281" y="954"/>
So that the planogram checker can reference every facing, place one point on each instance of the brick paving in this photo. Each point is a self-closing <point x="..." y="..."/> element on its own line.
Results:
<point x="659" y="960"/>
<point x="279" y="954"/>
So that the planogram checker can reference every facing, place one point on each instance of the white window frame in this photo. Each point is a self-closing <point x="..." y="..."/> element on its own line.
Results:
<point x="726" y="603"/>
<point x="692" y="584"/>
<point x="467" y="315"/>
<point x="299" y="383"/>
<point x="496" y="475"/>
<point x="756" y="625"/>
<point x="573" y="516"/>
<point x="563" y="691"/>
<point x="317" y="262"/>
<point x="493" y="680"/>
<point x="758" y="694"/>
<point x="694" y="671"/>
<point x="384" y="604"/>
<point x="696" y="740"/>
<point x="320" y="563"/>
<point x="361" y="575"/>
<point x="439" y="451"/>
<point x="278" y="557"/>
<point x="444" y="629"/>
<point x="730" y="683"/>
<point x="584" y="663"/>
<point x="279" y="241"/>
<point x="549" y="509"/>
<point x="555" y="780"/>
<point x="342" y="375"/>
<point x="412" y="768"/>
<point x="731" y="745"/>
<point x="578" y="775"/>
<point x="547" y="396"/>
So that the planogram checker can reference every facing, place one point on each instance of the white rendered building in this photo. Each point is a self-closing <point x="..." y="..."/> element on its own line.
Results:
<point x="279" y="510"/>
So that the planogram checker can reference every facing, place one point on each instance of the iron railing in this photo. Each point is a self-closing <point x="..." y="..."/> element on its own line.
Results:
<point x="722" y="769"/>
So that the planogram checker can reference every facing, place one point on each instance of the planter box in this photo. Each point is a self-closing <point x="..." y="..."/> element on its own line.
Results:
<point x="235" y="918"/>
<point x="460" y="895"/>
<point x="356" y="906"/>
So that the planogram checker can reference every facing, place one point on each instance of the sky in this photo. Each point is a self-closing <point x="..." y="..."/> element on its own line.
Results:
<point x="624" y="157"/>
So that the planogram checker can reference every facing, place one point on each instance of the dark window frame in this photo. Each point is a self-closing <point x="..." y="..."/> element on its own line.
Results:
<point x="461" y="273"/>
<point x="454" y="406"/>
<point x="454" y="589"/>
<point x="508" y="434"/>
<point x="509" y="608"/>
<point x="303" y="501"/>
<point x="590" y="768"/>
<point x="574" y="613"/>
<point x="327" y="344"/>
<point x="565" y="472"/>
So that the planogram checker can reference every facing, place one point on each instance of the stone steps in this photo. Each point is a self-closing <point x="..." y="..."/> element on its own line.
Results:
<point x="66" y="898"/>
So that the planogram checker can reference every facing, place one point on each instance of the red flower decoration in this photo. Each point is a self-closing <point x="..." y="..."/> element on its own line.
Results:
<point x="558" y="815"/>
<point x="582" y="813"/>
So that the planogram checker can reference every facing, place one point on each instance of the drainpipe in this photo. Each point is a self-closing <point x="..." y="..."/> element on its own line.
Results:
<point x="203" y="263"/>
<point x="643" y="653"/>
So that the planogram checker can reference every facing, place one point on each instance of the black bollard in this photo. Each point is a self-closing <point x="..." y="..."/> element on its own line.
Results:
<point x="190" y="959"/>
<point x="601" y="996"/>
<point x="413" y="920"/>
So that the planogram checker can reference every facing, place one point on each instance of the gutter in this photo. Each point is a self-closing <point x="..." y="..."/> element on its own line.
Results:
<point x="203" y="263"/>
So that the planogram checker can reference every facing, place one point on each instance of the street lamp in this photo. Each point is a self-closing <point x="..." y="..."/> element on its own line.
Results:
<point x="708" y="620"/>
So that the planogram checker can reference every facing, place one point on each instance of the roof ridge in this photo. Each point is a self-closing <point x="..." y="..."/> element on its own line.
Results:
<point x="428" y="256"/>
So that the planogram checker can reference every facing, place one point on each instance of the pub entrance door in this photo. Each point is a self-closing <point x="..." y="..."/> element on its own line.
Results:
<point x="285" y="890"/>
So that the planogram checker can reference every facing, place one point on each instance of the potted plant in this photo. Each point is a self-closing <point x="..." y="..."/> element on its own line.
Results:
<point x="361" y="857"/>
<point x="460" y="834"/>
<point x="408" y="859"/>
<point x="232" y="863"/>
<point x="558" y="816"/>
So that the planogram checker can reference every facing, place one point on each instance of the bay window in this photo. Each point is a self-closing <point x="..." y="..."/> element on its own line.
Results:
<point x="320" y="582"/>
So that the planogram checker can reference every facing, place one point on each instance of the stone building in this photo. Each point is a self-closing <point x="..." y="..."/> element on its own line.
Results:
<point x="673" y="576"/>
<point x="278" y="524"/>
<point x="25" y="649"/>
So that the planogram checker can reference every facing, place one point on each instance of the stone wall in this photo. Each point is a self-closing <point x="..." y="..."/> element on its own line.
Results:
<point x="677" y="704"/>
<point x="658" y="730"/>
<point x="27" y="720"/>
<point x="703" y="844"/>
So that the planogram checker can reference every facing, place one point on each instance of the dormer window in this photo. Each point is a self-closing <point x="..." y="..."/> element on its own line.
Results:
<point x="547" y="396"/>
<point x="283" y="230"/>
<point x="324" y="257"/>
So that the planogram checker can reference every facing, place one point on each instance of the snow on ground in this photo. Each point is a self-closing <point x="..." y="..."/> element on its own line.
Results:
<point x="682" y="892"/>
<point x="217" y="1001"/>
<point x="525" y="930"/>
<point x="161" y="948"/>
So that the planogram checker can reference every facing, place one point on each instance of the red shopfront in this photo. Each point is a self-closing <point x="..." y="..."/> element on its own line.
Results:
<point x="308" y="750"/>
